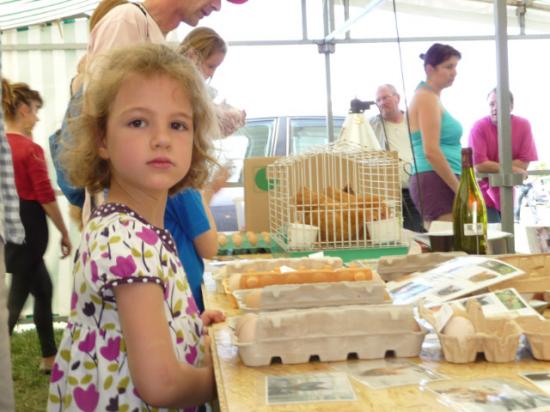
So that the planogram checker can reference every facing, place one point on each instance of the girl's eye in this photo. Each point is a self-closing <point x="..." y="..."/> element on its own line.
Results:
<point x="180" y="126"/>
<point x="137" y="123"/>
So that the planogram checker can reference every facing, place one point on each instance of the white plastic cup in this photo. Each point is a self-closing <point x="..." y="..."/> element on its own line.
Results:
<point x="239" y="208"/>
<point x="384" y="231"/>
<point x="301" y="236"/>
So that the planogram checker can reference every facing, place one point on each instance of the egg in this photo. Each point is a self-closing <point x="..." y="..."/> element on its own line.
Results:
<point x="320" y="277"/>
<point x="245" y="329"/>
<point x="253" y="299"/>
<point x="252" y="238"/>
<point x="235" y="281"/>
<point x="252" y="282"/>
<point x="237" y="239"/>
<point x="460" y="327"/>
<point x="222" y="239"/>
<point x="266" y="237"/>
<point x="360" y="276"/>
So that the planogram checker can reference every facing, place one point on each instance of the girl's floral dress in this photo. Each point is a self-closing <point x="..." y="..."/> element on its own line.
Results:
<point x="91" y="369"/>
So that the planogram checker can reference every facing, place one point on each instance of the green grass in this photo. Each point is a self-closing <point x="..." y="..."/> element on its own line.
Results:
<point x="29" y="384"/>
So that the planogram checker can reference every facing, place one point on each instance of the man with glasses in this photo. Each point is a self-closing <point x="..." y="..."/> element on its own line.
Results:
<point x="390" y="127"/>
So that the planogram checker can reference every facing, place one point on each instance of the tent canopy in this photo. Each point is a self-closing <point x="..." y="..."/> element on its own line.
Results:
<point x="532" y="14"/>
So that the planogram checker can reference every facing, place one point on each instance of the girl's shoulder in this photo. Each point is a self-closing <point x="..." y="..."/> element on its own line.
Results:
<point x="113" y="221"/>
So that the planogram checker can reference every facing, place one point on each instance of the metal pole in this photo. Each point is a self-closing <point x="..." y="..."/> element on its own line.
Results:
<point x="326" y="49"/>
<point x="504" y="178"/>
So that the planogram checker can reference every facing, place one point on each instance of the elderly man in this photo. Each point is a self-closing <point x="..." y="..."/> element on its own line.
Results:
<point x="484" y="142"/>
<point x="390" y="127"/>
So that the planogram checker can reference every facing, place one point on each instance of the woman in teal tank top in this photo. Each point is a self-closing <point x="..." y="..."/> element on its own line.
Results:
<point x="435" y="137"/>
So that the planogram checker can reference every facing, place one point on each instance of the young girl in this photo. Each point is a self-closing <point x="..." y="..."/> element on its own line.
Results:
<point x="135" y="339"/>
<point x="207" y="49"/>
<point x="36" y="201"/>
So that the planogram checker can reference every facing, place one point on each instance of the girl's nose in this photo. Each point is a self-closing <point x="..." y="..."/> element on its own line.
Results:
<point x="160" y="138"/>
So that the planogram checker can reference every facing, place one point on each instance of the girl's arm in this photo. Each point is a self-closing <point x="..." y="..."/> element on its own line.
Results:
<point x="429" y="121"/>
<point x="207" y="243"/>
<point x="53" y="212"/>
<point x="161" y="380"/>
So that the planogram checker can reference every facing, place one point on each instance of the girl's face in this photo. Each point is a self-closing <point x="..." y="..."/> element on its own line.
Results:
<point x="29" y="116"/>
<point x="149" y="138"/>
<point x="444" y="73"/>
<point x="208" y="66"/>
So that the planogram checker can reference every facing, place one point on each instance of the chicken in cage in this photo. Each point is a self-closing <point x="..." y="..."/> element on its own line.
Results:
<point x="336" y="196"/>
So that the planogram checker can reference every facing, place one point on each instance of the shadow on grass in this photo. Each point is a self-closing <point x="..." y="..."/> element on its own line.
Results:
<point x="29" y="384"/>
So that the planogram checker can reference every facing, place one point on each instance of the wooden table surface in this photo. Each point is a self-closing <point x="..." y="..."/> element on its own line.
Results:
<point x="242" y="388"/>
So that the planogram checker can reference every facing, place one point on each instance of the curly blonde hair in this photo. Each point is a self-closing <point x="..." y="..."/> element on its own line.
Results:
<point x="80" y="156"/>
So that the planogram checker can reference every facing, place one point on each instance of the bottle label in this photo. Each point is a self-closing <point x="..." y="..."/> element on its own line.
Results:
<point x="473" y="229"/>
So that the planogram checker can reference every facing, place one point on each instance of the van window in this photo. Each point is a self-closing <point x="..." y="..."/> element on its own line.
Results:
<point x="307" y="133"/>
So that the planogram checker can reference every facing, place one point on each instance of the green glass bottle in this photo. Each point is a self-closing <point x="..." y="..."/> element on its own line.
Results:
<point x="469" y="211"/>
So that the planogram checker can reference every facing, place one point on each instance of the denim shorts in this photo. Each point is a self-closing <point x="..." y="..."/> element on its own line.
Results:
<point x="437" y="197"/>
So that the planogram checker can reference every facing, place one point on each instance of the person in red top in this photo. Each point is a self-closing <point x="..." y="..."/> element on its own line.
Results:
<point x="37" y="199"/>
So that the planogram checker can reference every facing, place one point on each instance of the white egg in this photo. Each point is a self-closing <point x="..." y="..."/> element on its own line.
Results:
<point x="460" y="327"/>
<point x="246" y="328"/>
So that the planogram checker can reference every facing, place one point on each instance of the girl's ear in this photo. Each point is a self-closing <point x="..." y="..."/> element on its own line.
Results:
<point x="24" y="109"/>
<point x="102" y="147"/>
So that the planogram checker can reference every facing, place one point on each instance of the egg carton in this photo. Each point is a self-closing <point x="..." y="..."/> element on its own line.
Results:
<point x="536" y="277"/>
<point x="312" y="295"/>
<point x="498" y="339"/>
<point x="328" y="334"/>
<point x="267" y="265"/>
<point x="537" y="332"/>
<point x="392" y="267"/>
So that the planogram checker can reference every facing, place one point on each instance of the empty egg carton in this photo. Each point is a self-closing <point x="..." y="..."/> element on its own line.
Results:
<point x="537" y="332"/>
<point x="392" y="267"/>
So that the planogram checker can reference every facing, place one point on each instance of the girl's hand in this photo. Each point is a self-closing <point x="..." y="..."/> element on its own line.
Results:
<point x="209" y="317"/>
<point x="66" y="246"/>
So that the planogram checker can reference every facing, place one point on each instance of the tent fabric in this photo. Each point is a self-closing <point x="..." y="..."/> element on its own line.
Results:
<point x="23" y="13"/>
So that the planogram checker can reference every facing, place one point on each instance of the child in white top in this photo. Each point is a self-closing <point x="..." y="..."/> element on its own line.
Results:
<point x="135" y="340"/>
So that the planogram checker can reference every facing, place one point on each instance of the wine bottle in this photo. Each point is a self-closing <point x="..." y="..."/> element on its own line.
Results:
<point x="469" y="211"/>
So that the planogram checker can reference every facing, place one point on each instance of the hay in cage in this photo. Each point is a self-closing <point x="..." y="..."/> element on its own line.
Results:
<point x="336" y="196"/>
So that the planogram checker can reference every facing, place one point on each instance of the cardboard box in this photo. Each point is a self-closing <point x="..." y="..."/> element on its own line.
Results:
<point x="256" y="193"/>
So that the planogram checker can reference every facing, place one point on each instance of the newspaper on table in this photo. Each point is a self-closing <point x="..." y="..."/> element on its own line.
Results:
<point x="451" y="280"/>
<point x="489" y="395"/>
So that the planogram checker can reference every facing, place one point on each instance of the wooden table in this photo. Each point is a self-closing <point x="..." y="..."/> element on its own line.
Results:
<point x="242" y="388"/>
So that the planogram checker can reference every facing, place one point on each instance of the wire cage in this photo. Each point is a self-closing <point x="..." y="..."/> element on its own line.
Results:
<point x="338" y="196"/>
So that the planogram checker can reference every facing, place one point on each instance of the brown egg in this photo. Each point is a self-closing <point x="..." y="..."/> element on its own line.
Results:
<point x="252" y="238"/>
<point x="237" y="239"/>
<point x="222" y="239"/>
<point x="266" y="237"/>
<point x="320" y="277"/>
<point x="293" y="277"/>
<point x="253" y="299"/>
<point x="252" y="282"/>
<point x="235" y="281"/>
<point x="360" y="276"/>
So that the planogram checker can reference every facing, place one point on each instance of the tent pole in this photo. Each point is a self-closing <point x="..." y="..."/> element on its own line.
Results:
<point x="504" y="179"/>
<point x="327" y="48"/>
